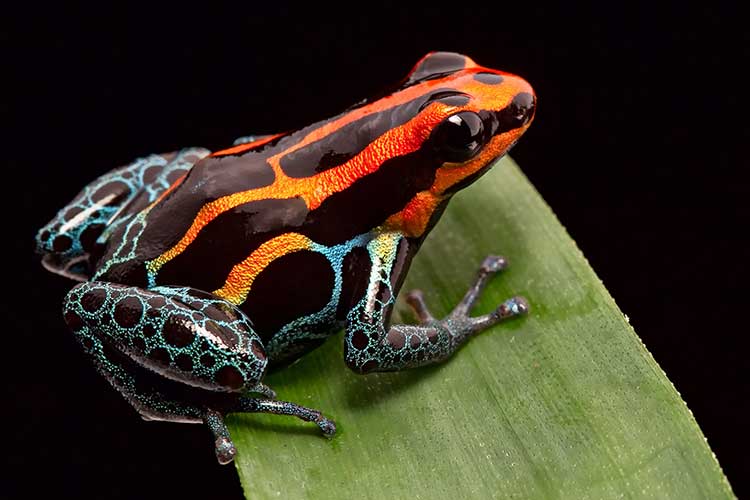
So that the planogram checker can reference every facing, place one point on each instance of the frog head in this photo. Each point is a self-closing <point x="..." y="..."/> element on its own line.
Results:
<point x="467" y="117"/>
<point x="473" y="115"/>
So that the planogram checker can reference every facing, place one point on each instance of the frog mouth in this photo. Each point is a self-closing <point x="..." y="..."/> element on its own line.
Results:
<point x="75" y="268"/>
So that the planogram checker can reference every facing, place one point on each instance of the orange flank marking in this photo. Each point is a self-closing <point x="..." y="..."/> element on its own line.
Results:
<point x="240" y="279"/>
<point x="412" y="220"/>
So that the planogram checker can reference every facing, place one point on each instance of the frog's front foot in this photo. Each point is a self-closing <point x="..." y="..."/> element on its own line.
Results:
<point x="255" y="405"/>
<point x="458" y="322"/>
<point x="327" y="426"/>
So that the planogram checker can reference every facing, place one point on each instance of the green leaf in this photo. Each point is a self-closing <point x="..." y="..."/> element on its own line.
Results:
<point x="564" y="403"/>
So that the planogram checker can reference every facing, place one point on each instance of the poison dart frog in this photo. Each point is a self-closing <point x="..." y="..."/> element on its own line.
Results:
<point x="200" y="270"/>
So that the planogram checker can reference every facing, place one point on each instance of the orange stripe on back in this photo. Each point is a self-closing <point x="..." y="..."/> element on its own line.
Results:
<point x="314" y="190"/>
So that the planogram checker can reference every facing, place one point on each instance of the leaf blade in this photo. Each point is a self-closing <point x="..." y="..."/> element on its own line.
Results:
<point x="564" y="403"/>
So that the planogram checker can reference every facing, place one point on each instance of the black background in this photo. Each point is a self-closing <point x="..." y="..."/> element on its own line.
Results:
<point x="636" y="146"/>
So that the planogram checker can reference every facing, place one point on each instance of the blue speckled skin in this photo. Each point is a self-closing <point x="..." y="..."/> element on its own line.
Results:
<point x="200" y="272"/>
<point x="84" y="224"/>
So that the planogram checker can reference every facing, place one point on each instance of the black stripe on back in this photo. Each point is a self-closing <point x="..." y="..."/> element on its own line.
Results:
<point x="370" y="200"/>
<point x="341" y="145"/>
<point x="230" y="238"/>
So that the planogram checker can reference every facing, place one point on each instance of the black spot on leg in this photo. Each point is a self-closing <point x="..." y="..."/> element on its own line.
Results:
<point x="230" y="377"/>
<point x="110" y="353"/>
<point x="160" y="356"/>
<point x="93" y="300"/>
<point x="157" y="302"/>
<point x="73" y="321"/>
<point x="139" y="344"/>
<point x="113" y="192"/>
<point x="369" y="366"/>
<point x="89" y="235"/>
<point x="62" y="243"/>
<point x="176" y="331"/>
<point x="396" y="339"/>
<point x="359" y="340"/>
<point x="207" y="360"/>
<point x="258" y="350"/>
<point x="225" y="335"/>
<point x="151" y="173"/>
<point x="128" y="311"/>
<point x="433" y="335"/>
<point x="184" y="362"/>
<point x="72" y="212"/>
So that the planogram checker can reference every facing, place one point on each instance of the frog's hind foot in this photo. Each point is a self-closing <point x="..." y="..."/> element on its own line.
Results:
<point x="224" y="447"/>
<point x="459" y="318"/>
<point x="255" y="405"/>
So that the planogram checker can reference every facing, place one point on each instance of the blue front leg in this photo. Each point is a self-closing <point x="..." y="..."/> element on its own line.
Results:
<point x="177" y="353"/>
<point x="372" y="344"/>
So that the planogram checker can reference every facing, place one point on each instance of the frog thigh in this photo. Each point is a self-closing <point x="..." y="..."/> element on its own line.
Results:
<point x="178" y="354"/>
<point x="182" y="334"/>
<point x="72" y="235"/>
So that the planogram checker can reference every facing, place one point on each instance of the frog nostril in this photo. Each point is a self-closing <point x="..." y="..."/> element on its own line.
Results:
<point x="518" y="113"/>
<point x="522" y="108"/>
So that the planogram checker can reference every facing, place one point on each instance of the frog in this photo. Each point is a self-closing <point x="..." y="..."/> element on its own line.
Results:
<point x="200" y="272"/>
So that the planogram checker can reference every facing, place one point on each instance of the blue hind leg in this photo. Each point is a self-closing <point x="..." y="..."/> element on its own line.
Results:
<point x="75" y="232"/>
<point x="177" y="353"/>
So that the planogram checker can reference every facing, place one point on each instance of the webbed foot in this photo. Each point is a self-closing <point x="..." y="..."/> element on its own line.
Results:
<point x="459" y="320"/>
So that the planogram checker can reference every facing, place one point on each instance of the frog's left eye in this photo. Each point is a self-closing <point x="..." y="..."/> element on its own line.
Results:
<point x="459" y="137"/>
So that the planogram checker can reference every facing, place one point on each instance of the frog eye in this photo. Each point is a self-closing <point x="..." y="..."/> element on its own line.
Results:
<point x="459" y="137"/>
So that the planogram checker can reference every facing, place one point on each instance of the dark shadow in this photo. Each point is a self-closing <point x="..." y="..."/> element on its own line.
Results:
<point x="368" y="390"/>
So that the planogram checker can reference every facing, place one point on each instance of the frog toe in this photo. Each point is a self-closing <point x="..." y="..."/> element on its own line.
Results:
<point x="327" y="426"/>
<point x="225" y="450"/>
